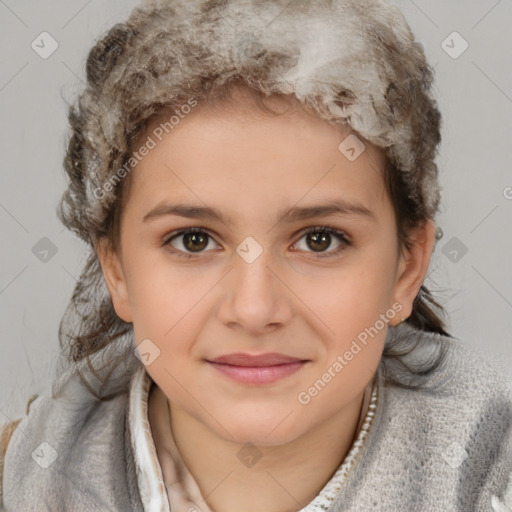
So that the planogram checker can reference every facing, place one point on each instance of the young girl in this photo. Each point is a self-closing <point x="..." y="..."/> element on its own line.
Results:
<point x="251" y="332"/>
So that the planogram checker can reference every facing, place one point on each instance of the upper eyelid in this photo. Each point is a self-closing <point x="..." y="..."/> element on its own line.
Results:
<point x="184" y="231"/>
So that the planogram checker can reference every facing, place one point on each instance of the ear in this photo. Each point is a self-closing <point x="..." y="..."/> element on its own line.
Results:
<point x="114" y="278"/>
<point x="413" y="267"/>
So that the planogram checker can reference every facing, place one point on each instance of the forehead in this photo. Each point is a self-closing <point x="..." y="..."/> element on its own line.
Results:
<point x="233" y="147"/>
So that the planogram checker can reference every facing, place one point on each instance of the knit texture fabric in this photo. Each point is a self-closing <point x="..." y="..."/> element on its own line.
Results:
<point x="446" y="447"/>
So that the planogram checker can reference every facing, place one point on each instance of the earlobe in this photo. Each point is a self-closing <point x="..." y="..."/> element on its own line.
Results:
<point x="114" y="279"/>
<point x="413" y="267"/>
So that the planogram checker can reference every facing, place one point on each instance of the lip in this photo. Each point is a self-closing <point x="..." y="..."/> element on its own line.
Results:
<point x="257" y="369"/>
<point x="267" y="359"/>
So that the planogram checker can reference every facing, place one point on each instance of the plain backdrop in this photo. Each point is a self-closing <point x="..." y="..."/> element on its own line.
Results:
<point x="471" y="266"/>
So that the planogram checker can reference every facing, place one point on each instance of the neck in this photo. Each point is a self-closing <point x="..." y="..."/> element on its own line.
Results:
<point x="285" y="478"/>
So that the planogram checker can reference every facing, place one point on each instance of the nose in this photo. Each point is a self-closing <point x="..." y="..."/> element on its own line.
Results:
<point x="256" y="297"/>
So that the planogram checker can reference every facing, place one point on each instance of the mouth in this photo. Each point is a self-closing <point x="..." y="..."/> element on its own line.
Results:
<point x="257" y="369"/>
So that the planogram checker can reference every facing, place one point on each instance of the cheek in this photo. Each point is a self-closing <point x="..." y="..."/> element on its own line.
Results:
<point x="162" y="294"/>
<point x="169" y="310"/>
<point x="352" y="296"/>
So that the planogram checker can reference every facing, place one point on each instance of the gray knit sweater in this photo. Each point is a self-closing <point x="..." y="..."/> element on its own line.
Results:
<point x="446" y="447"/>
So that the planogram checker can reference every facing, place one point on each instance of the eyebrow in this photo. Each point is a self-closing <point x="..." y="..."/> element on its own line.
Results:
<point x="296" y="213"/>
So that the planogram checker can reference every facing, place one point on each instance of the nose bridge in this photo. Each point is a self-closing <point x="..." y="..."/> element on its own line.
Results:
<point x="256" y="295"/>
<point x="253" y="270"/>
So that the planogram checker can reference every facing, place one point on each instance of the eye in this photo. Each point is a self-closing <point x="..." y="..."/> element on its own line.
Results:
<point x="192" y="240"/>
<point x="319" y="238"/>
<point x="189" y="241"/>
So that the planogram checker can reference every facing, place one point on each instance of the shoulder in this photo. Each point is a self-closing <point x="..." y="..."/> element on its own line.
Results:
<point x="464" y="373"/>
<point x="78" y="431"/>
<point x="461" y="417"/>
<point x="66" y="435"/>
<point x="446" y="444"/>
<point x="468" y="390"/>
<point x="6" y="432"/>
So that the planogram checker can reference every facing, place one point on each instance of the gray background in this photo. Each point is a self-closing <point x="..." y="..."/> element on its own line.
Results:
<point x="474" y="92"/>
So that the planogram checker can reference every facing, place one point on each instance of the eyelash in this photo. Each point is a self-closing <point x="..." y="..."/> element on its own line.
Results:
<point x="345" y="242"/>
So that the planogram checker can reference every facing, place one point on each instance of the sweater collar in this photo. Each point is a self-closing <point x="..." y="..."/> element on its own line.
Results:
<point x="149" y="473"/>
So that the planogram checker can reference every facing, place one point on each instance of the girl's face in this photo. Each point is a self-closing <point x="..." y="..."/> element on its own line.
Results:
<point x="251" y="280"/>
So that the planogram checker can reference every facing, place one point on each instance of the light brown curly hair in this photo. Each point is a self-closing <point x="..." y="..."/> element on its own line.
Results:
<point x="353" y="62"/>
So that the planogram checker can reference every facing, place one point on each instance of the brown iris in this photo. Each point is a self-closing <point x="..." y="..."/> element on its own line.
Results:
<point x="195" y="241"/>
<point x="320" y="241"/>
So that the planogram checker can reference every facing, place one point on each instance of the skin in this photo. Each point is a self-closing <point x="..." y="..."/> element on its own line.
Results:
<point x="288" y="300"/>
